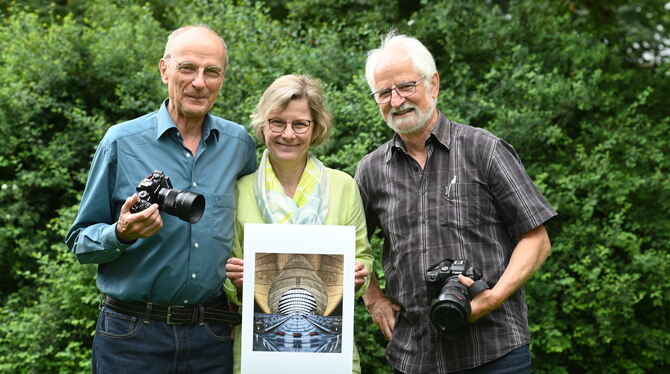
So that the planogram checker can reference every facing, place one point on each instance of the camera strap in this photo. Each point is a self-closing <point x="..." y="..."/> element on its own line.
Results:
<point x="477" y="287"/>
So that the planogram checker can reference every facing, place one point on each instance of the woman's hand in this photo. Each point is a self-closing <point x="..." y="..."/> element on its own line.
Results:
<point x="235" y="272"/>
<point x="360" y="272"/>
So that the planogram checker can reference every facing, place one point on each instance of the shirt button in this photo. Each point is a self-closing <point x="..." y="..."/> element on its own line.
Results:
<point x="196" y="244"/>
<point x="193" y="275"/>
<point x="195" y="184"/>
<point x="188" y="154"/>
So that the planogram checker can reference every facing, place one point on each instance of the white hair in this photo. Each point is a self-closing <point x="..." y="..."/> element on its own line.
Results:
<point x="421" y="58"/>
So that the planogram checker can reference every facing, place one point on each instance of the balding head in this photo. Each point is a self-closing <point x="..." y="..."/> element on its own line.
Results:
<point x="200" y="28"/>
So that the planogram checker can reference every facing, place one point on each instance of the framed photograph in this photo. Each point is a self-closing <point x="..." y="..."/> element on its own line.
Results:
<point x="298" y="299"/>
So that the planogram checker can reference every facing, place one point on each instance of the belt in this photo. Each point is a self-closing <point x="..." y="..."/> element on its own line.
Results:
<point x="215" y="310"/>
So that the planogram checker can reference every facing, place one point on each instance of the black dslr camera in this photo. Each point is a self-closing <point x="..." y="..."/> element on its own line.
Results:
<point x="450" y="307"/>
<point x="157" y="189"/>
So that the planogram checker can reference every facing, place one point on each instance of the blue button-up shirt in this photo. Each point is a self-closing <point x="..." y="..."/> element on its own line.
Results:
<point x="182" y="263"/>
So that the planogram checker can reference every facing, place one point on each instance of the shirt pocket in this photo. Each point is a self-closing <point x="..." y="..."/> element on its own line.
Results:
<point x="462" y="205"/>
<point x="223" y="207"/>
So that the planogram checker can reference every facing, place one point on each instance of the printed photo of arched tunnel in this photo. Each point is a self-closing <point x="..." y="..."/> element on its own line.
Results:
<point x="298" y="302"/>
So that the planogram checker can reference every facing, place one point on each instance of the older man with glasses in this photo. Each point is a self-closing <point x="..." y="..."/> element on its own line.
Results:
<point x="163" y="309"/>
<point x="451" y="200"/>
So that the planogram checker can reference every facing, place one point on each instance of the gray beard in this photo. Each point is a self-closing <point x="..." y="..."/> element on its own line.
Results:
<point x="411" y="124"/>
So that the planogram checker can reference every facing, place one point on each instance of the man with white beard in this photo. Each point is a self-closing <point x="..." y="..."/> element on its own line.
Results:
<point x="443" y="190"/>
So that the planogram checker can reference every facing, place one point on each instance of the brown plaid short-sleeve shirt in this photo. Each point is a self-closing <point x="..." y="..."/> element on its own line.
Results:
<point x="471" y="200"/>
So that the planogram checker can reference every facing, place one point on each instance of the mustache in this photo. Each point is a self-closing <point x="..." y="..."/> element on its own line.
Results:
<point x="404" y="107"/>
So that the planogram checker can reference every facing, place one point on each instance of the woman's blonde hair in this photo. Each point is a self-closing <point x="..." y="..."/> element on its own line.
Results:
<point x="293" y="87"/>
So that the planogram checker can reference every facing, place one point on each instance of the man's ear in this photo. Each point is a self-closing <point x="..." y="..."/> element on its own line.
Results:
<point x="435" y="85"/>
<point x="162" y="67"/>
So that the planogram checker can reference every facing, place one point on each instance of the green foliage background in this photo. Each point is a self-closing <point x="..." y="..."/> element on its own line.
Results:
<point x="579" y="87"/>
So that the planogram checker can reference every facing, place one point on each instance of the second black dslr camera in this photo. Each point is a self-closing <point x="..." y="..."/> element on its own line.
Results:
<point x="157" y="189"/>
<point x="450" y="306"/>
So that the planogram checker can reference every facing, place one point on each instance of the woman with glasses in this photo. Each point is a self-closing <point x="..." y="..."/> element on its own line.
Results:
<point x="291" y="186"/>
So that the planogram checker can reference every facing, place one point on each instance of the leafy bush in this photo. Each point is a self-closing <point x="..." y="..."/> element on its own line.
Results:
<point x="579" y="88"/>
<point x="48" y="328"/>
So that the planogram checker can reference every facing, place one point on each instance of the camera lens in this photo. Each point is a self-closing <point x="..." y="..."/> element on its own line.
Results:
<point x="188" y="206"/>
<point x="449" y="312"/>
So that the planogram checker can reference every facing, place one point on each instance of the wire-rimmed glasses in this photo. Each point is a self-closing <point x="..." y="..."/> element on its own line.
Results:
<point x="299" y="126"/>
<point x="191" y="70"/>
<point x="405" y="89"/>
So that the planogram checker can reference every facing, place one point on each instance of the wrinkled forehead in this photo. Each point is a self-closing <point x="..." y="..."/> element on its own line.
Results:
<point x="394" y="69"/>
<point x="200" y="46"/>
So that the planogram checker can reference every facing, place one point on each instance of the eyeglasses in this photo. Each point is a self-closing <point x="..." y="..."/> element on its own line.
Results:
<point x="403" y="90"/>
<point x="191" y="70"/>
<point x="299" y="126"/>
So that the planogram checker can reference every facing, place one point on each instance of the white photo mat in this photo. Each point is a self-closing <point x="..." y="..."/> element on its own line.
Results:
<point x="298" y="239"/>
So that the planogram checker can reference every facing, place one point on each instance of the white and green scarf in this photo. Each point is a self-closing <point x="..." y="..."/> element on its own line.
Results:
<point x="309" y="204"/>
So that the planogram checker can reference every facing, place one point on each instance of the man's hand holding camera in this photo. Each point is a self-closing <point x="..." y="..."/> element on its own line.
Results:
<point x="483" y="303"/>
<point x="143" y="224"/>
<point x="531" y="250"/>
<point x="140" y="216"/>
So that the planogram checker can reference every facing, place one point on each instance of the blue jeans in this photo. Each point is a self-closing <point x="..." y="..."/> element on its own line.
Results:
<point x="515" y="362"/>
<point x="128" y="344"/>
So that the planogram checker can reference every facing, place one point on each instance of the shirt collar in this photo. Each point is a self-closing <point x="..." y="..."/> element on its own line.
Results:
<point x="439" y="134"/>
<point x="442" y="131"/>
<point x="165" y="123"/>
